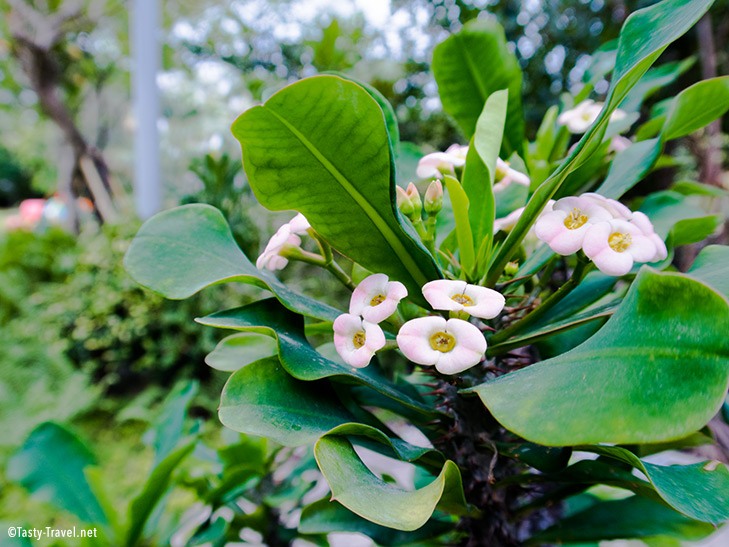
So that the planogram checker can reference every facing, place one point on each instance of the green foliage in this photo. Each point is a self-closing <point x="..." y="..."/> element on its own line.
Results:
<point x="15" y="182"/>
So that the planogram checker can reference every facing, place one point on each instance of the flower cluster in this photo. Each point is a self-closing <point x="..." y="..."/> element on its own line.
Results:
<point x="451" y="345"/>
<point x="438" y="164"/>
<point x="287" y="235"/>
<point x="581" y="117"/>
<point x="610" y="234"/>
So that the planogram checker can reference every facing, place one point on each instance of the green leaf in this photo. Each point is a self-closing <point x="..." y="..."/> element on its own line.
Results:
<point x="238" y="350"/>
<point x="169" y="426"/>
<point x="320" y="146"/>
<point x="660" y="360"/>
<point x="711" y="267"/>
<point x="471" y="65"/>
<point x="629" y="167"/>
<point x="681" y="216"/>
<point x="324" y="517"/>
<point x="644" y="36"/>
<point x="141" y="507"/>
<point x="699" y="491"/>
<point x="263" y="399"/>
<point x="633" y="517"/>
<point x="181" y="251"/>
<point x="359" y="490"/>
<point x="654" y="80"/>
<point x="459" y="201"/>
<point x="297" y="356"/>
<point x="696" y="107"/>
<point x="50" y="465"/>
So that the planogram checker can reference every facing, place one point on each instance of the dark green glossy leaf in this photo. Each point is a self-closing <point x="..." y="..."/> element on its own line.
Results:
<point x="681" y="216"/>
<point x="633" y="517"/>
<point x="158" y="482"/>
<point x="298" y="357"/>
<point x="263" y="399"/>
<point x="629" y="167"/>
<point x="654" y="80"/>
<point x="181" y="251"/>
<point x="50" y="465"/>
<point x="471" y="65"/>
<point x="712" y="266"/>
<point x="238" y="350"/>
<point x="696" y="107"/>
<point x="320" y="146"/>
<point x="661" y="360"/>
<point x="699" y="491"/>
<point x="359" y="490"/>
<point x="324" y="517"/>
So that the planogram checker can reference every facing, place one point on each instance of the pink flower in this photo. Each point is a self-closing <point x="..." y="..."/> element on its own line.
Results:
<point x="271" y="258"/>
<point x="452" y="346"/>
<point x="564" y="228"/>
<point x="645" y="225"/>
<point x="31" y="211"/>
<point x="299" y="225"/>
<point x="454" y="295"/>
<point x="615" y="208"/>
<point x="619" y="143"/>
<point x="357" y="340"/>
<point x="376" y="298"/>
<point x="438" y="163"/>
<point x="505" y="175"/>
<point x="614" y="246"/>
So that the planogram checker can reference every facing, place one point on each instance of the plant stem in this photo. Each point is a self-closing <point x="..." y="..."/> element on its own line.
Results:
<point x="292" y="252"/>
<point x="582" y="267"/>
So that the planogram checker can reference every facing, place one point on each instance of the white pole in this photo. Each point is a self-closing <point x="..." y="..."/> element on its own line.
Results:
<point x="145" y="97"/>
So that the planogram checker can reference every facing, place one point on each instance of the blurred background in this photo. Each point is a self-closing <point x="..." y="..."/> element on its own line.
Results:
<point x="112" y="110"/>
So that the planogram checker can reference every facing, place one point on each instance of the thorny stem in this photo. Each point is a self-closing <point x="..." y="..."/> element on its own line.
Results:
<point x="583" y="266"/>
<point x="429" y="237"/>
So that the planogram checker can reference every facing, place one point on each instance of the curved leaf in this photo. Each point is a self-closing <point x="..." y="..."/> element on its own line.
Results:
<point x="711" y="267"/>
<point x="181" y="251"/>
<point x="700" y="491"/>
<point x="471" y="65"/>
<point x="262" y="399"/>
<point x="354" y="486"/>
<point x="238" y="350"/>
<point x="299" y="359"/>
<point x="661" y="360"/>
<point x="320" y="146"/>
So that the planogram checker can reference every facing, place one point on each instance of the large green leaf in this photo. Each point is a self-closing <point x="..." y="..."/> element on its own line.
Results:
<point x="699" y="491"/>
<point x="158" y="482"/>
<point x="365" y="494"/>
<point x="181" y="251"/>
<point x="644" y="36"/>
<point x="263" y="399"/>
<point x="471" y="65"/>
<point x="297" y="356"/>
<point x="689" y="111"/>
<point x="711" y="267"/>
<point x="656" y="371"/>
<point x="50" y="465"/>
<point x="169" y="427"/>
<point x="633" y="517"/>
<point x="320" y="146"/>
<point x="238" y="350"/>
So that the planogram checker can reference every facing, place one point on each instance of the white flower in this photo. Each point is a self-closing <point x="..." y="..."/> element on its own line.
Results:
<point x="438" y="163"/>
<point x="619" y="143"/>
<point x="564" y="228"/>
<point x="454" y="295"/>
<point x="614" y="246"/>
<point x="299" y="225"/>
<point x="376" y="298"/>
<point x="581" y="117"/>
<point x="505" y="175"/>
<point x="615" y="208"/>
<point x="271" y="258"/>
<point x="646" y="226"/>
<point x="452" y="346"/>
<point x="357" y="340"/>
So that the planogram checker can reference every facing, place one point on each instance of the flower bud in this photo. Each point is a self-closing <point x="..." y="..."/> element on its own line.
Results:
<point x="433" y="201"/>
<point x="403" y="202"/>
<point x="414" y="197"/>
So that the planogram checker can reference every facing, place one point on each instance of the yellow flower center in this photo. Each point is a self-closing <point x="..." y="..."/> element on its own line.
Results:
<point x="442" y="342"/>
<point x="575" y="219"/>
<point x="359" y="338"/>
<point x="619" y="242"/>
<point x="378" y="299"/>
<point x="462" y="299"/>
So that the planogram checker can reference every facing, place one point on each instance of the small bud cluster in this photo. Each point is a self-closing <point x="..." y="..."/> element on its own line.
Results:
<point x="610" y="234"/>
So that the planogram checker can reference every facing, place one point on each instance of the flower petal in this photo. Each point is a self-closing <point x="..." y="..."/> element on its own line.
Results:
<point x="414" y="339"/>
<point x="610" y="262"/>
<point x="439" y="293"/>
<point x="488" y="302"/>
